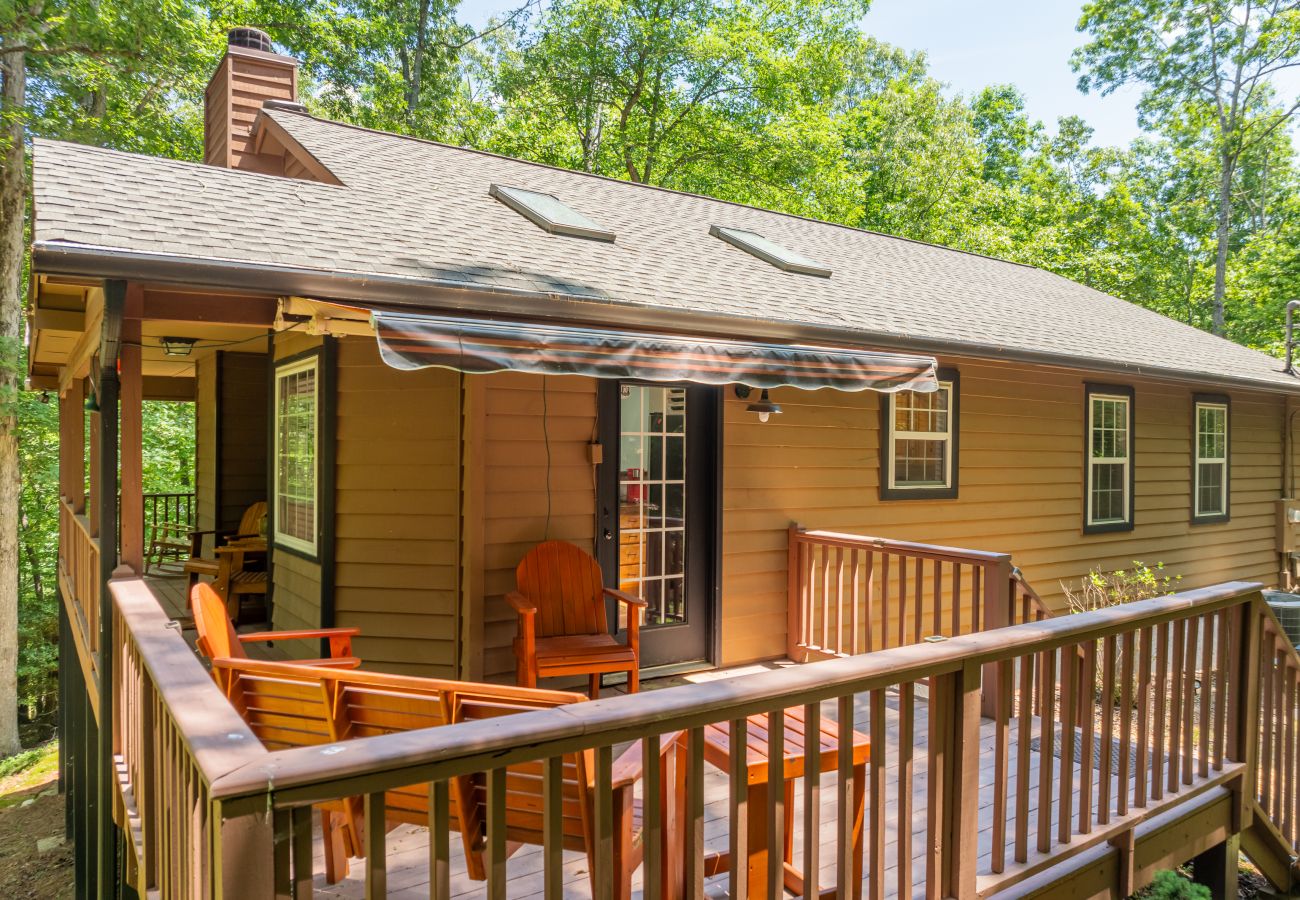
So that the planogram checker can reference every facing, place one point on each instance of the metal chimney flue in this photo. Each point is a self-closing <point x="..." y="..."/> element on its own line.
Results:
<point x="250" y="38"/>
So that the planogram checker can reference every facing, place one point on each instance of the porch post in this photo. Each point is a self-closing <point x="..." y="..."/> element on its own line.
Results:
<point x="106" y="495"/>
<point x="72" y="445"/>
<point x="1216" y="868"/>
<point x="132" y="396"/>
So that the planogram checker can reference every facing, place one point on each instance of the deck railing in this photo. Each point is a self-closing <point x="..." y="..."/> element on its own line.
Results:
<point x="851" y="594"/>
<point x="79" y="576"/>
<point x="1167" y="738"/>
<point x="1277" y="775"/>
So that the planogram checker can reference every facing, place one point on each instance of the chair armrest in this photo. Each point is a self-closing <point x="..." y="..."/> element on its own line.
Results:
<point x="521" y="604"/>
<point x="255" y="636"/>
<point x="625" y="597"/>
<point x="340" y="639"/>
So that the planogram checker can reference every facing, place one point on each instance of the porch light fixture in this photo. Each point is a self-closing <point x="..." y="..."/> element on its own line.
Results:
<point x="763" y="405"/>
<point x="178" y="346"/>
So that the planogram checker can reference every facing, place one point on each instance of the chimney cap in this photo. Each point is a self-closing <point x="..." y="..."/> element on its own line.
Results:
<point x="250" y="38"/>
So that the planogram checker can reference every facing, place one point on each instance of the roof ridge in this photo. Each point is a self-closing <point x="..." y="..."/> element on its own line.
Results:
<point x="654" y="187"/>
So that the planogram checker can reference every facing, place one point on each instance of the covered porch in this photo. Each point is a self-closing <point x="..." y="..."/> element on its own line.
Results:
<point x="971" y="744"/>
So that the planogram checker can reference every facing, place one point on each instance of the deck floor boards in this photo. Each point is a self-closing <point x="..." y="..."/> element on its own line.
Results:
<point x="408" y="845"/>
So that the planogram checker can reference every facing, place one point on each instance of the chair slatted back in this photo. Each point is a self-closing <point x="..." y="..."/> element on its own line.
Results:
<point x="524" y="781"/>
<point x="565" y="584"/>
<point x="284" y="705"/>
<point x="250" y="523"/>
<point x="217" y="638"/>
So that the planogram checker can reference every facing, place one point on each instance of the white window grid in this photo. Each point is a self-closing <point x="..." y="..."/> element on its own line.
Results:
<point x="907" y="401"/>
<point x="1211" y="451"/>
<point x="1108" y="424"/>
<point x="671" y="401"/>
<point x="297" y="401"/>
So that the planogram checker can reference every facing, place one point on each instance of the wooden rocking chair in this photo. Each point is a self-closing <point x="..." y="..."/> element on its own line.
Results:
<point x="563" y="629"/>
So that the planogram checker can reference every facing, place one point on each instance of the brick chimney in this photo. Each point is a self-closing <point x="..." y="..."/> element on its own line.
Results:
<point x="249" y="74"/>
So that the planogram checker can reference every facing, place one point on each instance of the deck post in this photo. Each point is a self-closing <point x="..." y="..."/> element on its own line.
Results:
<point x="998" y="598"/>
<point x="1216" y="868"/>
<point x="243" y="856"/>
<point x="72" y="445"/>
<point x="794" y="611"/>
<point x="132" y="434"/>
<point x="105" y="492"/>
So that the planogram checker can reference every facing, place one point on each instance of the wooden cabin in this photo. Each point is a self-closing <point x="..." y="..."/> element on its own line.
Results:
<point x="795" y="440"/>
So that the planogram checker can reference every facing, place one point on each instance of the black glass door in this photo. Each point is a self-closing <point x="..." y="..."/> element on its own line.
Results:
<point x="658" y="509"/>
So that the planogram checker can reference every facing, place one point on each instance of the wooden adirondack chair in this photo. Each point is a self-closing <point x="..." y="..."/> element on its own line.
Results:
<point x="524" y="797"/>
<point x="563" y="629"/>
<point x="233" y="553"/>
<point x="218" y="638"/>
<point x="289" y="705"/>
<point x="292" y="706"/>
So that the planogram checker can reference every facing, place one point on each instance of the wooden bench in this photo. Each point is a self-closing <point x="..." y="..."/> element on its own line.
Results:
<point x="293" y="705"/>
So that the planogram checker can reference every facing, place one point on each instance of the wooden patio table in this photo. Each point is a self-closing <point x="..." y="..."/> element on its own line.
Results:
<point x="717" y="752"/>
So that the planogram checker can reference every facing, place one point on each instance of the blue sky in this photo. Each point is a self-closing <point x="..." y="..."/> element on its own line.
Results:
<point x="973" y="43"/>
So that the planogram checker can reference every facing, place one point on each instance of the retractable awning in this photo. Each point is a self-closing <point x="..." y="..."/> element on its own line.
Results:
<point x="410" y="341"/>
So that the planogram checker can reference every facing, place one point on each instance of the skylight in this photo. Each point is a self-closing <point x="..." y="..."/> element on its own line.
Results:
<point x="548" y="213"/>
<point x="770" y="251"/>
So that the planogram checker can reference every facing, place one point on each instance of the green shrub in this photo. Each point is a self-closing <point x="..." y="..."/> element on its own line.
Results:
<point x="1172" y="886"/>
<point x="1100" y="590"/>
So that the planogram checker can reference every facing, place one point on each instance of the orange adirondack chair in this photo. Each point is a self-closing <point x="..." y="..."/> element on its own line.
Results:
<point x="563" y="629"/>
<point x="218" y="638"/>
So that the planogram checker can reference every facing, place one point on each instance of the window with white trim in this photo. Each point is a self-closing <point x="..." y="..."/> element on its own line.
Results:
<point x="920" y="442"/>
<point x="1110" y="460"/>
<point x="1210" y="468"/>
<point x="297" y="453"/>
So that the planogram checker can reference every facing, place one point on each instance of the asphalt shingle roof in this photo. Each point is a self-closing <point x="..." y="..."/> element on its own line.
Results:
<point x="420" y="212"/>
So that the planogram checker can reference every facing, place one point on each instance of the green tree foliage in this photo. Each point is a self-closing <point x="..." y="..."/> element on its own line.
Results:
<point x="1211" y="61"/>
<point x="787" y="105"/>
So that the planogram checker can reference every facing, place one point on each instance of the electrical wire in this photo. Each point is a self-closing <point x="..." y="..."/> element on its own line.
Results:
<point x="546" y="440"/>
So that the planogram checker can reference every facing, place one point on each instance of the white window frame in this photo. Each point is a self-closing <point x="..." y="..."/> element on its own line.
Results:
<point x="893" y="436"/>
<point x="293" y="542"/>
<point x="1198" y="460"/>
<point x="1091" y="462"/>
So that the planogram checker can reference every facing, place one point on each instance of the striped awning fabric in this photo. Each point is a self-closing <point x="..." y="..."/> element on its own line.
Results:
<point x="408" y="341"/>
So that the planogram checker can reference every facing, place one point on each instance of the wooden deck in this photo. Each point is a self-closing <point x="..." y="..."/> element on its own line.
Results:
<point x="408" y="873"/>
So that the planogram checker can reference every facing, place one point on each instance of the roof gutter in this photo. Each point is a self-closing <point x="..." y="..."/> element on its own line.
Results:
<point x="389" y="291"/>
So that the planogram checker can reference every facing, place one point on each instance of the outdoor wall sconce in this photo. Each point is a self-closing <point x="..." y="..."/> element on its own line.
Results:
<point x="763" y="405"/>
<point x="178" y="346"/>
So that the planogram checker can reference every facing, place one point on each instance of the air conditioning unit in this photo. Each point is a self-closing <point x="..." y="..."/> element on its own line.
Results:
<point x="1287" y="609"/>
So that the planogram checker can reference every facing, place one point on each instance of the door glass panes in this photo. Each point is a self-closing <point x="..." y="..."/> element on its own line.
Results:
<point x="295" y="452"/>
<point x="652" y="501"/>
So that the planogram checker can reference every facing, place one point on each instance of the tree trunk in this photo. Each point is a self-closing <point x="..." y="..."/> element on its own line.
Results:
<point x="13" y="183"/>
<point x="1221" y="237"/>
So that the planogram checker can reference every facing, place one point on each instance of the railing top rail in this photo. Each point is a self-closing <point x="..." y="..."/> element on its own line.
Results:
<point x="307" y="774"/>
<point x="217" y="736"/>
<point x="930" y="551"/>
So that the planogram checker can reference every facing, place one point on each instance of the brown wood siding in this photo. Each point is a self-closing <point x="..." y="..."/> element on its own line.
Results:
<point x="296" y="581"/>
<point x="397" y="514"/>
<point x="1021" y="489"/>
<point x="205" y="443"/>
<point x="234" y="97"/>
<point x="514" y="487"/>
<point x="243" y="434"/>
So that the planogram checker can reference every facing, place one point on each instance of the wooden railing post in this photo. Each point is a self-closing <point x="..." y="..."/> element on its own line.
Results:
<point x="1244" y="706"/>
<point x="243" y="864"/>
<point x="998" y="593"/>
<point x="795" y="613"/>
<point x="954" y="790"/>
